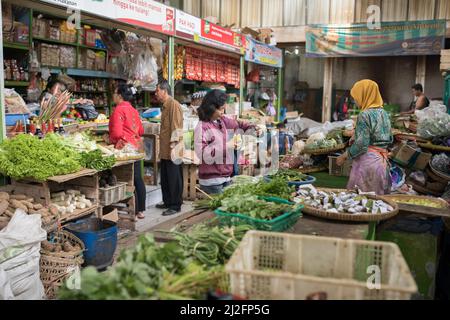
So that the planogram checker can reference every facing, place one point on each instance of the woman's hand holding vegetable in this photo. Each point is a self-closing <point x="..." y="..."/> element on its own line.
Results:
<point x="341" y="159"/>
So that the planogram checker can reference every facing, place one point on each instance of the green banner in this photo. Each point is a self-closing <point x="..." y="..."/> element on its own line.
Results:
<point x="392" y="39"/>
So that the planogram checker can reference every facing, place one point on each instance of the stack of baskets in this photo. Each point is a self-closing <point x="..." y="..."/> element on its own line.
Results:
<point x="56" y="267"/>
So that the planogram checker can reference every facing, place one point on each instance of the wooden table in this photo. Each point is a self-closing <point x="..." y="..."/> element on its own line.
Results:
<point x="306" y="225"/>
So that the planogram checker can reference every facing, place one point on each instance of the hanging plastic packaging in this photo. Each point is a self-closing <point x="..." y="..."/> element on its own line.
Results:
<point x="145" y="71"/>
<point x="433" y="122"/>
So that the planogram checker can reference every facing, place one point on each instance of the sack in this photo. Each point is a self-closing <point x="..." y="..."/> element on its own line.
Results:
<point x="20" y="244"/>
<point x="87" y="111"/>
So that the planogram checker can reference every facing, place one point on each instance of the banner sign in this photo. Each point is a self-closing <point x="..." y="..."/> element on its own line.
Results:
<point x="147" y="14"/>
<point x="187" y="26"/>
<point x="201" y="31"/>
<point x="261" y="53"/>
<point x="392" y="39"/>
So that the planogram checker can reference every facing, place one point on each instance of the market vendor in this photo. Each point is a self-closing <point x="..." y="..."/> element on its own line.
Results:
<point x="370" y="168"/>
<point x="215" y="133"/>
<point x="420" y="101"/>
<point x="125" y="127"/>
<point x="55" y="87"/>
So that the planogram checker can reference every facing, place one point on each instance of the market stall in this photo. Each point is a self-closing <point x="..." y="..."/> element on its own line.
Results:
<point x="264" y="78"/>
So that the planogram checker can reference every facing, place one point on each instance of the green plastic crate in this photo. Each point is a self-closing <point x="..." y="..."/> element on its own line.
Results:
<point x="279" y="224"/>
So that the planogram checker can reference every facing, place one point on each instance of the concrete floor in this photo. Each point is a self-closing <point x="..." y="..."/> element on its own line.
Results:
<point x="153" y="217"/>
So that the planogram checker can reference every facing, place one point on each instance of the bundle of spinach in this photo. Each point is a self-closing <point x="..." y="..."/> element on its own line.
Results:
<point x="96" y="160"/>
<point x="289" y="175"/>
<point x="212" y="246"/>
<point x="277" y="187"/>
<point x="254" y="207"/>
<point x="146" y="271"/>
<point x="27" y="156"/>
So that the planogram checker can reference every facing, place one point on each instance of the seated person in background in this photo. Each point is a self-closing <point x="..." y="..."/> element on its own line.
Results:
<point x="420" y="99"/>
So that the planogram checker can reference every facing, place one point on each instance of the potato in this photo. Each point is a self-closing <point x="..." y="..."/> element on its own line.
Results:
<point x="32" y="211"/>
<point x="4" y="204"/>
<point x="53" y="210"/>
<point x="4" y="196"/>
<point x="68" y="247"/>
<point x="28" y="204"/>
<point x="31" y="200"/>
<point x="58" y="248"/>
<point x="47" y="220"/>
<point x="43" y="212"/>
<point x="18" y="197"/>
<point x="47" y="246"/>
<point x="18" y="205"/>
<point x="9" y="213"/>
<point x="38" y="206"/>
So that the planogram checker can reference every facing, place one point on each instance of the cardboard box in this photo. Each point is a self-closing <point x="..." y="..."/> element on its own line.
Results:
<point x="409" y="157"/>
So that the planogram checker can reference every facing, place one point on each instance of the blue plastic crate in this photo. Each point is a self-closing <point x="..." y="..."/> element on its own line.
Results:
<point x="11" y="119"/>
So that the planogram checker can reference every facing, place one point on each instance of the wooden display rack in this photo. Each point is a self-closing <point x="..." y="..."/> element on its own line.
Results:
<point x="124" y="171"/>
<point x="190" y="179"/>
<point x="86" y="181"/>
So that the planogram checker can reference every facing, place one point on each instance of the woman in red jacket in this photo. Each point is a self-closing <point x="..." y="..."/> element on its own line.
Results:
<point x="125" y="127"/>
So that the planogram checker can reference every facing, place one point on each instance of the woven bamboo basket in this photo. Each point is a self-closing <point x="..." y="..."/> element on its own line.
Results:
<point x="317" y="152"/>
<point x="56" y="267"/>
<point x="60" y="238"/>
<point x="434" y="147"/>
<point x="363" y="217"/>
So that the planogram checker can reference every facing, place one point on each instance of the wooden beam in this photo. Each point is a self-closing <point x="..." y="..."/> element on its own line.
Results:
<point x="327" y="90"/>
<point x="421" y="70"/>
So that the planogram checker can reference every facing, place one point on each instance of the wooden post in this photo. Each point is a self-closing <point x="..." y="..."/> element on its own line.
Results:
<point x="327" y="90"/>
<point x="421" y="70"/>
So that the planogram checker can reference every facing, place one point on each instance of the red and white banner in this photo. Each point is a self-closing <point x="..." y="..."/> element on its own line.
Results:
<point x="188" y="26"/>
<point x="143" y="13"/>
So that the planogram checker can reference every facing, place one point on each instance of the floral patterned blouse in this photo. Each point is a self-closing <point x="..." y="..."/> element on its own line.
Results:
<point x="373" y="128"/>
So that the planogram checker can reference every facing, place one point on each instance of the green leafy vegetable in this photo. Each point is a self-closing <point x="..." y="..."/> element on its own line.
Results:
<point x="26" y="156"/>
<point x="276" y="187"/>
<point x="290" y="175"/>
<point x="254" y="207"/>
<point x="96" y="160"/>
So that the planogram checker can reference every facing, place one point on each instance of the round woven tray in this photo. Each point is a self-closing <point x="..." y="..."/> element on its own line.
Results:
<point x="434" y="147"/>
<point x="422" y="189"/>
<point x="399" y="197"/>
<point x="410" y="136"/>
<point x="312" y="169"/>
<point x="439" y="174"/>
<point x="317" y="152"/>
<point x="364" y="217"/>
<point x="128" y="158"/>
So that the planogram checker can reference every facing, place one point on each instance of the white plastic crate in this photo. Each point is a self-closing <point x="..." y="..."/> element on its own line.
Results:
<point x="278" y="266"/>
<point x="113" y="195"/>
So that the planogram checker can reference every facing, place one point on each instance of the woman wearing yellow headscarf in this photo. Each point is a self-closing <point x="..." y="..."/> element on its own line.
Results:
<point x="370" y="169"/>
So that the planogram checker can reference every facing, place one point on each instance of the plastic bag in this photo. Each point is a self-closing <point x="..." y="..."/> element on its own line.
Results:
<point x="328" y="126"/>
<point x="145" y="70"/>
<point x="298" y="147"/>
<point x="419" y="177"/>
<point x="433" y="122"/>
<point x="87" y="111"/>
<point x="316" y="137"/>
<point x="20" y="244"/>
<point x="14" y="102"/>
